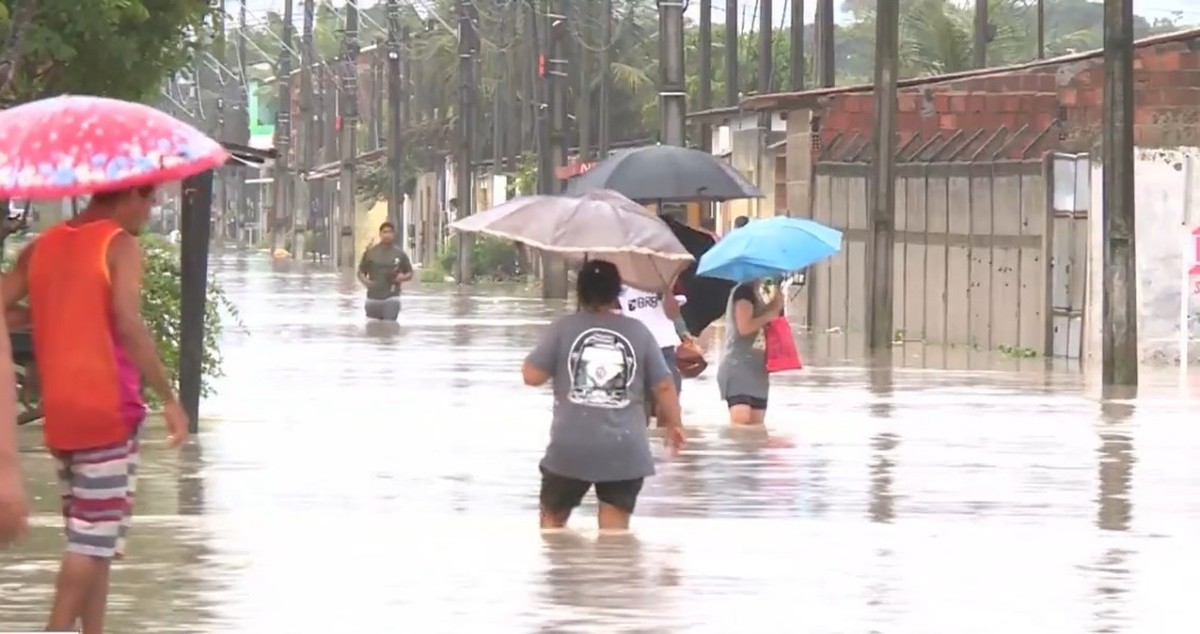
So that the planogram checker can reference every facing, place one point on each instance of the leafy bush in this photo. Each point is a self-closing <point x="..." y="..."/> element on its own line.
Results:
<point x="491" y="259"/>
<point x="162" y="308"/>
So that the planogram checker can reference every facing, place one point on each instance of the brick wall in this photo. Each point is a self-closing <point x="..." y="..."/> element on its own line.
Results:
<point x="1033" y="109"/>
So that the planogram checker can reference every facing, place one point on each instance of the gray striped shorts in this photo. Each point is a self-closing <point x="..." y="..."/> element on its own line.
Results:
<point x="97" y="487"/>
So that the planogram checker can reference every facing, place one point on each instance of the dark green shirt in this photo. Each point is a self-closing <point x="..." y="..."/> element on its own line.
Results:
<point x="380" y="264"/>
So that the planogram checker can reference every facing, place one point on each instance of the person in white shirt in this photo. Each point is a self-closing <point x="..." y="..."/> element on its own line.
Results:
<point x="658" y="312"/>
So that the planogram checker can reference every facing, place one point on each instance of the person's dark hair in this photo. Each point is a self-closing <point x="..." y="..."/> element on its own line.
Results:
<point x="598" y="284"/>
<point x="387" y="226"/>
<point x="110" y="197"/>
<point x="740" y="221"/>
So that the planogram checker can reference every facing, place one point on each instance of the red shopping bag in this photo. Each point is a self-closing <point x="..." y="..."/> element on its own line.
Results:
<point x="780" y="346"/>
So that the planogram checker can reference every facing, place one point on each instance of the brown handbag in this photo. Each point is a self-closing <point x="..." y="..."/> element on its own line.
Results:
<point x="690" y="359"/>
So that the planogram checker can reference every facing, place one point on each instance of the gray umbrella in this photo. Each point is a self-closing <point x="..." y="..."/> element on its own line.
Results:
<point x="602" y="225"/>
<point x="666" y="173"/>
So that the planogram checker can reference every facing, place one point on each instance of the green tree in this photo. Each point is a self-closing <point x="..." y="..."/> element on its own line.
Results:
<point x="116" y="48"/>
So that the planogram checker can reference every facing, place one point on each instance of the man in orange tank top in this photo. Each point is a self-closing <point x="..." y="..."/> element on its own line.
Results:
<point x="83" y="278"/>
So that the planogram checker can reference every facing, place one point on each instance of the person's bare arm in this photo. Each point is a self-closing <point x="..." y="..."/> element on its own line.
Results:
<point x="670" y="305"/>
<point x="406" y="270"/>
<point x="666" y="404"/>
<point x="362" y="269"/>
<point x="747" y="323"/>
<point x="533" y="375"/>
<point x="125" y="266"/>
<point x="8" y="405"/>
<point x="539" y="365"/>
<point x="16" y="282"/>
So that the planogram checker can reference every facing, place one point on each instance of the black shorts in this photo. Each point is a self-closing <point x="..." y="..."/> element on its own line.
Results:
<point x="753" y="401"/>
<point x="561" y="494"/>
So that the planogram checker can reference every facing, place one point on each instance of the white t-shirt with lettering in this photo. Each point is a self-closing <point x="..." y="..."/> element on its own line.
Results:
<point x="648" y="308"/>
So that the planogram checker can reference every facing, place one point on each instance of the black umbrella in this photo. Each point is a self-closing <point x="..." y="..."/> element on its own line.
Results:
<point x="665" y="173"/>
<point x="706" y="296"/>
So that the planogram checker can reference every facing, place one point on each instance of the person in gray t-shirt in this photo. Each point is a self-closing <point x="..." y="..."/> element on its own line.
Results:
<point x="603" y="366"/>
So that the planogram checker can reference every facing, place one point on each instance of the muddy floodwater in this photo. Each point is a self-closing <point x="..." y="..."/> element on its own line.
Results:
<point x="356" y="477"/>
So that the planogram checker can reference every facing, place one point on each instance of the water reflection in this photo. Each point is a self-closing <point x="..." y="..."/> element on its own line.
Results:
<point x="606" y="579"/>
<point x="353" y="473"/>
<point x="882" y="507"/>
<point x="1114" y="513"/>
<point x="1115" y="502"/>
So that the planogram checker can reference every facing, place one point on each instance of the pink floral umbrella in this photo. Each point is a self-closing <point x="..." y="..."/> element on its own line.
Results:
<point x="74" y="145"/>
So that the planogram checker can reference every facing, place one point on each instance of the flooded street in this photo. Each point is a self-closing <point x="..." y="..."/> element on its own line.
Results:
<point x="352" y="476"/>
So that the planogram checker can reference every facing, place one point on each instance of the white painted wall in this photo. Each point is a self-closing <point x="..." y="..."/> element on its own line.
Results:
<point x="1162" y="226"/>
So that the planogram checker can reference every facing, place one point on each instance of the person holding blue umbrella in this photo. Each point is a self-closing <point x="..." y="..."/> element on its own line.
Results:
<point x="742" y="374"/>
<point x="756" y="252"/>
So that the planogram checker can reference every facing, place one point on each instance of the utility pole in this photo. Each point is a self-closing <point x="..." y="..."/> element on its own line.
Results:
<point x="606" y="21"/>
<point x="220" y="193"/>
<point x="309" y="135"/>
<point x="796" y="62"/>
<point x="672" y="92"/>
<point x="1119" y="306"/>
<point x="468" y="49"/>
<point x="348" y="117"/>
<point x="577" y="59"/>
<point x="1041" y="29"/>
<point x="552" y="149"/>
<point x="283" y="212"/>
<point x="705" y="71"/>
<point x="883" y="182"/>
<point x="826" y="51"/>
<point x="243" y="197"/>
<point x="732" y="87"/>
<point x="765" y="58"/>
<point x="765" y="70"/>
<point x="983" y="33"/>
<point x="395" y="101"/>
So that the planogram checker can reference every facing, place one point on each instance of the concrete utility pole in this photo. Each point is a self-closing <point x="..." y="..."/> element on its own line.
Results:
<point x="672" y="92"/>
<point x="220" y="191"/>
<point x="1119" y="305"/>
<point x="1041" y="29"/>
<point x="577" y="65"/>
<point x="605" y="83"/>
<point x="552" y="148"/>
<point x="468" y="51"/>
<point x="309" y="135"/>
<point x="983" y="33"/>
<point x="765" y="58"/>
<point x="880" y="274"/>
<point x="348" y="117"/>
<point x="796" y="62"/>
<point x="243" y="195"/>
<point x="705" y="71"/>
<point x="732" y="87"/>
<point x="283" y="216"/>
<point x="826" y="51"/>
<point x="395" y="99"/>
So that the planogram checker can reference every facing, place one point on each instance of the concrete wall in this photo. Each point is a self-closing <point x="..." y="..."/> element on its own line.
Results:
<point x="1165" y="217"/>
<point x="969" y="261"/>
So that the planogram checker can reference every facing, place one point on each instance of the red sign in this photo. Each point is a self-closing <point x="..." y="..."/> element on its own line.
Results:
<point x="574" y="167"/>
<point x="541" y="65"/>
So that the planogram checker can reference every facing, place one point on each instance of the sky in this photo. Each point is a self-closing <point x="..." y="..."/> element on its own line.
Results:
<point x="1189" y="10"/>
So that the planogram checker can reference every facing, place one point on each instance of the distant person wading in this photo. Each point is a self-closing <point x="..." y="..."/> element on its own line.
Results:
<point x="383" y="268"/>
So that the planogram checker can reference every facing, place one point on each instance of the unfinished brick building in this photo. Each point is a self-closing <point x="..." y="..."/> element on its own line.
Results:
<point x="981" y="250"/>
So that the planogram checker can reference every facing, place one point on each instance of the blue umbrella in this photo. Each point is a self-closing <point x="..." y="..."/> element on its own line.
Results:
<point x="775" y="246"/>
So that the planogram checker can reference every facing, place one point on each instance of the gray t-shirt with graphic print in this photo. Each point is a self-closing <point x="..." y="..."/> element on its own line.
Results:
<point x="603" y="366"/>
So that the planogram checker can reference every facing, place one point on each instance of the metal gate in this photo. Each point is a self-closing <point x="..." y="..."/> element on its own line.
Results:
<point x="1069" y="195"/>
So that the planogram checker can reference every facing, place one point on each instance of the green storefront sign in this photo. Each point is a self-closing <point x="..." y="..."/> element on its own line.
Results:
<point x="262" y="110"/>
